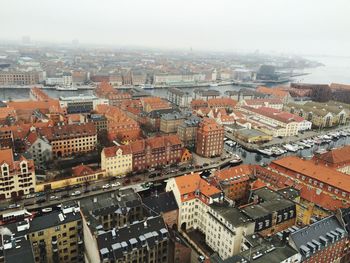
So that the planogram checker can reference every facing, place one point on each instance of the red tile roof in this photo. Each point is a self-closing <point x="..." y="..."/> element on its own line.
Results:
<point x="111" y="151"/>
<point x="240" y="170"/>
<point x="273" y="91"/>
<point x="81" y="170"/>
<point x="336" y="156"/>
<point x="275" y="114"/>
<point x="318" y="172"/>
<point x="191" y="182"/>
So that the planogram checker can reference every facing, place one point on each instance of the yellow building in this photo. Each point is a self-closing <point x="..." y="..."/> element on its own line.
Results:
<point x="53" y="237"/>
<point x="117" y="160"/>
<point x="82" y="174"/>
<point x="321" y="114"/>
<point x="17" y="176"/>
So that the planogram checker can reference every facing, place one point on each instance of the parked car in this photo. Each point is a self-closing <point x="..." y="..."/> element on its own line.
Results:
<point x="106" y="186"/>
<point x="14" y="206"/>
<point x="116" y="184"/>
<point x="53" y="197"/>
<point x="75" y="193"/>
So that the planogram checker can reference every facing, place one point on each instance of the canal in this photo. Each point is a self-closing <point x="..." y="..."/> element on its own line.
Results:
<point x="249" y="157"/>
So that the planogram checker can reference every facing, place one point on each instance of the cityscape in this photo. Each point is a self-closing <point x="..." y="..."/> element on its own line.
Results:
<point x="132" y="152"/>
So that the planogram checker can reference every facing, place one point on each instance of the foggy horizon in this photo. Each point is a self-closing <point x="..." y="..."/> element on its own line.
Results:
<point x="270" y="26"/>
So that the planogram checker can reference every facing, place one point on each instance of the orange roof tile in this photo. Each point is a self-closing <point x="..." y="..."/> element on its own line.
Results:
<point x="243" y="169"/>
<point x="318" y="172"/>
<point x="6" y="155"/>
<point x="336" y="156"/>
<point x="273" y="91"/>
<point x="81" y="170"/>
<point x="191" y="182"/>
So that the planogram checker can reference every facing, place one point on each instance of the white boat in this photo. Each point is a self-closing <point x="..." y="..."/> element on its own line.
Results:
<point x="67" y="88"/>
<point x="290" y="147"/>
<point x="146" y="86"/>
<point x="265" y="152"/>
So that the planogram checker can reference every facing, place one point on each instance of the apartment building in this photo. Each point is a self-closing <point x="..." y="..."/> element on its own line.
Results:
<point x="169" y="122"/>
<point x="156" y="152"/>
<point x="19" y="78"/>
<point x="68" y="140"/>
<point x="226" y="228"/>
<point x="39" y="149"/>
<point x="144" y="241"/>
<point x="178" y="97"/>
<point x="117" y="160"/>
<point x="274" y="103"/>
<point x="187" y="131"/>
<point x="323" y="241"/>
<point x="114" y="97"/>
<point x="53" y="237"/>
<point x="319" y="185"/>
<point x="193" y="196"/>
<point x="119" y="228"/>
<point x="202" y="94"/>
<point x="154" y="103"/>
<point x="222" y="103"/>
<point x="270" y="211"/>
<point x="276" y="122"/>
<point x="17" y="175"/>
<point x="235" y="181"/>
<point x="119" y="126"/>
<point x="210" y="138"/>
<point x="321" y="115"/>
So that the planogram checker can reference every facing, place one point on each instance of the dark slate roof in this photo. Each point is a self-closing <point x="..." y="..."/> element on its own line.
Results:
<point x="289" y="192"/>
<point x="267" y="207"/>
<point x="232" y="215"/>
<point x="3" y="104"/>
<point x="145" y="233"/>
<point x="163" y="202"/>
<point x="23" y="254"/>
<point x="266" y="194"/>
<point x="158" y="113"/>
<point x="119" y="201"/>
<point x="45" y="221"/>
<point x="318" y="231"/>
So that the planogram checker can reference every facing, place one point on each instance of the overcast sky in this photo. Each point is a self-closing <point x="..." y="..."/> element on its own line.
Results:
<point x="292" y="26"/>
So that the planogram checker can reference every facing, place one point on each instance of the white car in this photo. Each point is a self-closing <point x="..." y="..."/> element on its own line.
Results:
<point x="116" y="184"/>
<point x="106" y="186"/>
<point x="53" y="197"/>
<point x="75" y="193"/>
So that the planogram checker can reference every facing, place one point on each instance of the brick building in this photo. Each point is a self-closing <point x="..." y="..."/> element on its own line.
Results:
<point x="115" y="98"/>
<point x="67" y="140"/>
<point x="210" y="138"/>
<point x="235" y="181"/>
<point x="119" y="125"/>
<point x="319" y="184"/>
<point x="156" y="152"/>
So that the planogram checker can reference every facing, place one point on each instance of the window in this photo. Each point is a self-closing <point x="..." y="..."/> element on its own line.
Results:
<point x="40" y="233"/>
